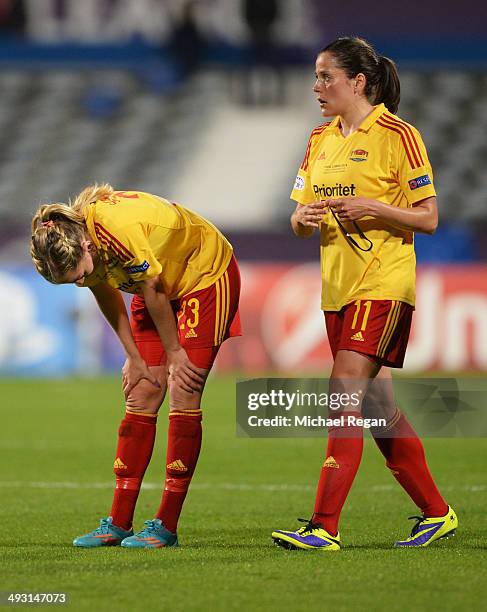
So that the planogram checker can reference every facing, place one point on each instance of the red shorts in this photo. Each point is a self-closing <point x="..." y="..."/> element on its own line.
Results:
<point x="204" y="319"/>
<point x="376" y="328"/>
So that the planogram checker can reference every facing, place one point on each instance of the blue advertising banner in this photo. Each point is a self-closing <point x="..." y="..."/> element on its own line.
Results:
<point x="48" y="330"/>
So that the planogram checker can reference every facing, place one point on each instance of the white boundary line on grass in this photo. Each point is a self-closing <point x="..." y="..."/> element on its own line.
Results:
<point x="227" y="486"/>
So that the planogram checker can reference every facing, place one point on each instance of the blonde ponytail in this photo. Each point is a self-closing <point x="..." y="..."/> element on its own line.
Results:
<point x="92" y="194"/>
<point x="58" y="231"/>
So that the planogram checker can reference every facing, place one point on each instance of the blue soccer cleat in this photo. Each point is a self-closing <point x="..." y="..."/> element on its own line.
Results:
<point x="310" y="537"/>
<point x="154" y="535"/>
<point x="427" y="530"/>
<point x="107" y="534"/>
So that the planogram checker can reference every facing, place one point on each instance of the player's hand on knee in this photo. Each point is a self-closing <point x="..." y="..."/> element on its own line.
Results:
<point x="134" y="370"/>
<point x="184" y="373"/>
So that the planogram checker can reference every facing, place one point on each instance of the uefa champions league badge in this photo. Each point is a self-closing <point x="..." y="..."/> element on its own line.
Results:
<point x="420" y="181"/>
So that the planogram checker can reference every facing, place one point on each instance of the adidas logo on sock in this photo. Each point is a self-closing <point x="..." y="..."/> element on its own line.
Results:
<point x="119" y="464"/>
<point x="358" y="336"/>
<point x="177" y="465"/>
<point x="330" y="463"/>
<point x="191" y="334"/>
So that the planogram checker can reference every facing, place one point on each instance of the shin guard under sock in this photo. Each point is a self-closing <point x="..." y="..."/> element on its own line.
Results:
<point x="136" y="437"/>
<point x="343" y="455"/>
<point x="183" y="448"/>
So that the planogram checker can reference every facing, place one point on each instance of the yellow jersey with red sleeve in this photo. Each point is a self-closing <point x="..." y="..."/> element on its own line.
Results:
<point x="385" y="160"/>
<point x="139" y="236"/>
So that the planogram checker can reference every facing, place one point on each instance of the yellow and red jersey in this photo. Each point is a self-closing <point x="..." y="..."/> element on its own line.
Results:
<point x="385" y="160"/>
<point x="139" y="236"/>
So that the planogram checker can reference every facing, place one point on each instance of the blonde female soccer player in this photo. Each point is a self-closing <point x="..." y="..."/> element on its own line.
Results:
<point x="186" y="286"/>
<point x="367" y="184"/>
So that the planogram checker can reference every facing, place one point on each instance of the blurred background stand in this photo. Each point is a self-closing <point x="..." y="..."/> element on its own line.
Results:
<point x="12" y="17"/>
<point x="187" y="45"/>
<point x="263" y="76"/>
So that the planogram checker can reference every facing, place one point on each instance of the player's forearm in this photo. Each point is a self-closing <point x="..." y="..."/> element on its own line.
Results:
<point x="112" y="306"/>
<point x="302" y="231"/>
<point x="161" y="312"/>
<point x="422" y="219"/>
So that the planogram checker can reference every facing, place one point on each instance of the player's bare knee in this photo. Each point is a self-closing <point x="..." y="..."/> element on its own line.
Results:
<point x="348" y="371"/>
<point x="378" y="403"/>
<point x="180" y="399"/>
<point x="146" y="398"/>
<point x="350" y="365"/>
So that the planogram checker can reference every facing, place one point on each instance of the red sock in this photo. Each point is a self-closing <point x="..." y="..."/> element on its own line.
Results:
<point x="405" y="458"/>
<point x="343" y="455"/>
<point x="136" y="437"/>
<point x="183" y="449"/>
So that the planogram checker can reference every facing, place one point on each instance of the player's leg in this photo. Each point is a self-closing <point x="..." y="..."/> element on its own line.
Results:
<point x="183" y="449"/>
<point x="184" y="439"/>
<point x="404" y="452"/>
<point x="401" y="447"/>
<point x="136" y="437"/>
<point x="350" y="374"/>
<point x="405" y="458"/>
<point x="206" y="318"/>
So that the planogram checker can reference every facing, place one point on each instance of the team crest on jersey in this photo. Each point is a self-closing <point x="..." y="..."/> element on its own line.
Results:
<point x="421" y="181"/>
<point x="137" y="269"/>
<point x="359" y="155"/>
<point x="322" y="155"/>
<point x="299" y="183"/>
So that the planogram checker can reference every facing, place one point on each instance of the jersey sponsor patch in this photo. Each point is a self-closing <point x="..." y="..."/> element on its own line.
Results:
<point x="137" y="269"/>
<point x="299" y="183"/>
<point x="421" y="181"/>
<point x="336" y="191"/>
<point x="359" y="155"/>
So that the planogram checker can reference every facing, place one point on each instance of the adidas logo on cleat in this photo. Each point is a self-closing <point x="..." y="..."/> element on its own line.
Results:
<point x="330" y="463"/>
<point x="358" y="337"/>
<point x="119" y="464"/>
<point x="191" y="334"/>
<point x="177" y="465"/>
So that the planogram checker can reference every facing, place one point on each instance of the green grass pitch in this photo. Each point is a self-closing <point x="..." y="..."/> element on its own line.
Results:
<point x="57" y="443"/>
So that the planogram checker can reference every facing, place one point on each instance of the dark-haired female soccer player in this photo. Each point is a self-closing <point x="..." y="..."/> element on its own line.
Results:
<point x="366" y="183"/>
<point x="186" y="284"/>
